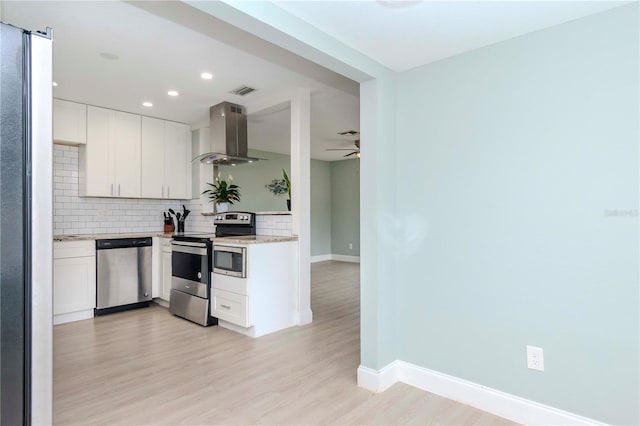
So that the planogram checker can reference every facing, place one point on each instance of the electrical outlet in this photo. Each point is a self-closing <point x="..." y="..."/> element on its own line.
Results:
<point x="350" y="246"/>
<point x="535" y="358"/>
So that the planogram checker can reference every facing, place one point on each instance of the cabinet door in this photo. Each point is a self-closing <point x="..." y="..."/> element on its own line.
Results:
<point x="125" y="138"/>
<point x="96" y="157"/>
<point x="166" y="276"/>
<point x="177" y="160"/>
<point x="153" y="162"/>
<point x="69" y="122"/>
<point x="74" y="284"/>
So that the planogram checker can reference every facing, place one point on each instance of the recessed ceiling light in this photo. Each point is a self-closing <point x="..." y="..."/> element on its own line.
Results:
<point x="147" y="104"/>
<point x="109" y="56"/>
<point x="206" y="76"/>
<point x="55" y="84"/>
<point x="172" y="93"/>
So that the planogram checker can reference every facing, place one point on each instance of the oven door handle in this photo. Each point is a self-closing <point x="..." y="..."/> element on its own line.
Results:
<point x="189" y="249"/>
<point x="239" y="250"/>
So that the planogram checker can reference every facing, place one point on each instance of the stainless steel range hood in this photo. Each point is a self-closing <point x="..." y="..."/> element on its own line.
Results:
<point x="228" y="136"/>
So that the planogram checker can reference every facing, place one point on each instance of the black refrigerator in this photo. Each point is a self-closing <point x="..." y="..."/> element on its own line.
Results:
<point x="25" y="226"/>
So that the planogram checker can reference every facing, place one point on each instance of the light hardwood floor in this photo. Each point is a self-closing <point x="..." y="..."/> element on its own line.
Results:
<point x="149" y="367"/>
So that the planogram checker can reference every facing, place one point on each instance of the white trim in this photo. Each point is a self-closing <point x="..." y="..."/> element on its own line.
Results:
<point x="493" y="401"/>
<point x="72" y="316"/>
<point x="343" y="258"/>
<point x="378" y="381"/>
<point x="305" y="317"/>
<point x="320" y="258"/>
<point x="41" y="231"/>
<point x="336" y="257"/>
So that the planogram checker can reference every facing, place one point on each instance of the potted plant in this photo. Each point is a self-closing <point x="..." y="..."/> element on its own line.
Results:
<point x="281" y="186"/>
<point x="222" y="194"/>
<point x="287" y="183"/>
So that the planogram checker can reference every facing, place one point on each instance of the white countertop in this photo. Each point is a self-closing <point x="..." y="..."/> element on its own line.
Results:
<point x="253" y="239"/>
<point x="272" y="213"/>
<point x="248" y="239"/>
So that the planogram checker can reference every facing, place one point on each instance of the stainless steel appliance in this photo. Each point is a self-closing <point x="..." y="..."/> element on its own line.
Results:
<point x="192" y="261"/>
<point x="123" y="269"/>
<point x="191" y="278"/>
<point x="228" y="135"/>
<point x="230" y="260"/>
<point x="26" y="226"/>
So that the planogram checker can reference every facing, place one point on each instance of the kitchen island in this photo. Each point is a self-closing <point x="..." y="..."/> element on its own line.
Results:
<point x="263" y="299"/>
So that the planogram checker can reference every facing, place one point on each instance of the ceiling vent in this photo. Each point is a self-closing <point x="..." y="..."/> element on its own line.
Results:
<point x="242" y="90"/>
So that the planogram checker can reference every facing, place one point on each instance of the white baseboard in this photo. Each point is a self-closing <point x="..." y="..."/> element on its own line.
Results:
<point x="305" y="317"/>
<point x="378" y="381"/>
<point x="336" y="257"/>
<point x="73" y="316"/>
<point x="320" y="258"/>
<point x="493" y="401"/>
<point x="343" y="258"/>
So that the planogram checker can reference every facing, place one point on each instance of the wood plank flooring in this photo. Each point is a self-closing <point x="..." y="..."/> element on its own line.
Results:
<point x="148" y="367"/>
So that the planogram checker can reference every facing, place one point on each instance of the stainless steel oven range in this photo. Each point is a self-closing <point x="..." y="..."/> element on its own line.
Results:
<point x="193" y="259"/>
<point x="191" y="278"/>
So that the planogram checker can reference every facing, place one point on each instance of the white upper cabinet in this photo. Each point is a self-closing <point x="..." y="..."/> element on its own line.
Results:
<point x="166" y="149"/>
<point x="152" y="182"/>
<point x="110" y="161"/>
<point x="177" y="160"/>
<point x="69" y="122"/>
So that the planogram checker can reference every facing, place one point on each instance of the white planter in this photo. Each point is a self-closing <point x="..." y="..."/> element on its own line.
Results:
<point x="222" y="207"/>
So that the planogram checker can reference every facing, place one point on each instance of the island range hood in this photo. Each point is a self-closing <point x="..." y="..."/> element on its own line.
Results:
<point x="228" y="136"/>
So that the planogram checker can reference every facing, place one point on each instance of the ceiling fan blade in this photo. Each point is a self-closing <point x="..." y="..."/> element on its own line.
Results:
<point x="350" y="154"/>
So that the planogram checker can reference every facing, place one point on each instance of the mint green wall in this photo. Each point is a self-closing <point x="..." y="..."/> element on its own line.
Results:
<point x="519" y="154"/>
<point x="252" y="179"/>
<point x="345" y="207"/>
<point x="321" y="220"/>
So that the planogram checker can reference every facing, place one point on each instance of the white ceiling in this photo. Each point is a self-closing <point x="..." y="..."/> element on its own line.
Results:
<point x="165" y="46"/>
<point x="156" y="54"/>
<point x="405" y="34"/>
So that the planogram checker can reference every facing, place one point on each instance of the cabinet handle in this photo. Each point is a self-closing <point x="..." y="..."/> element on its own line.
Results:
<point x="162" y="191"/>
<point x="118" y="189"/>
<point x="225" y="306"/>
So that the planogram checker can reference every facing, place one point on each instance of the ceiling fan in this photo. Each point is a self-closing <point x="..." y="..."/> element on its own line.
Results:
<point x="354" y="151"/>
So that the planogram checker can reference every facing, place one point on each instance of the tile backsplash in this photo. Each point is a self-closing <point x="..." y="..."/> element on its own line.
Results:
<point x="91" y="215"/>
<point x="273" y="225"/>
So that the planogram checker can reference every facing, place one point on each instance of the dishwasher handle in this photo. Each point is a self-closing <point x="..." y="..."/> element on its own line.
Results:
<point x="116" y="243"/>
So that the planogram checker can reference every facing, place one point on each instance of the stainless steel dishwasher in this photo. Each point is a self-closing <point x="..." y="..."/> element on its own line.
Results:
<point x="123" y="274"/>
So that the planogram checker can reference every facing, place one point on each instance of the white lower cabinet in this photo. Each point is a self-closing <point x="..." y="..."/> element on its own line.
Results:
<point x="264" y="301"/>
<point x="166" y="275"/>
<point x="231" y="307"/>
<point x="74" y="280"/>
<point x="161" y="264"/>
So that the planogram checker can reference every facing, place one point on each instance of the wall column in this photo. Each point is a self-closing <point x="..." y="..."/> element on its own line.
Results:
<point x="301" y="197"/>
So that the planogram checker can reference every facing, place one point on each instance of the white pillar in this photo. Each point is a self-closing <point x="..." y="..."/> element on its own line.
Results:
<point x="301" y="197"/>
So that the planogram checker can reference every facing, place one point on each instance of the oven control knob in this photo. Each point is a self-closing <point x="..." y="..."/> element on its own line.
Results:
<point x="146" y="294"/>
<point x="199" y="275"/>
